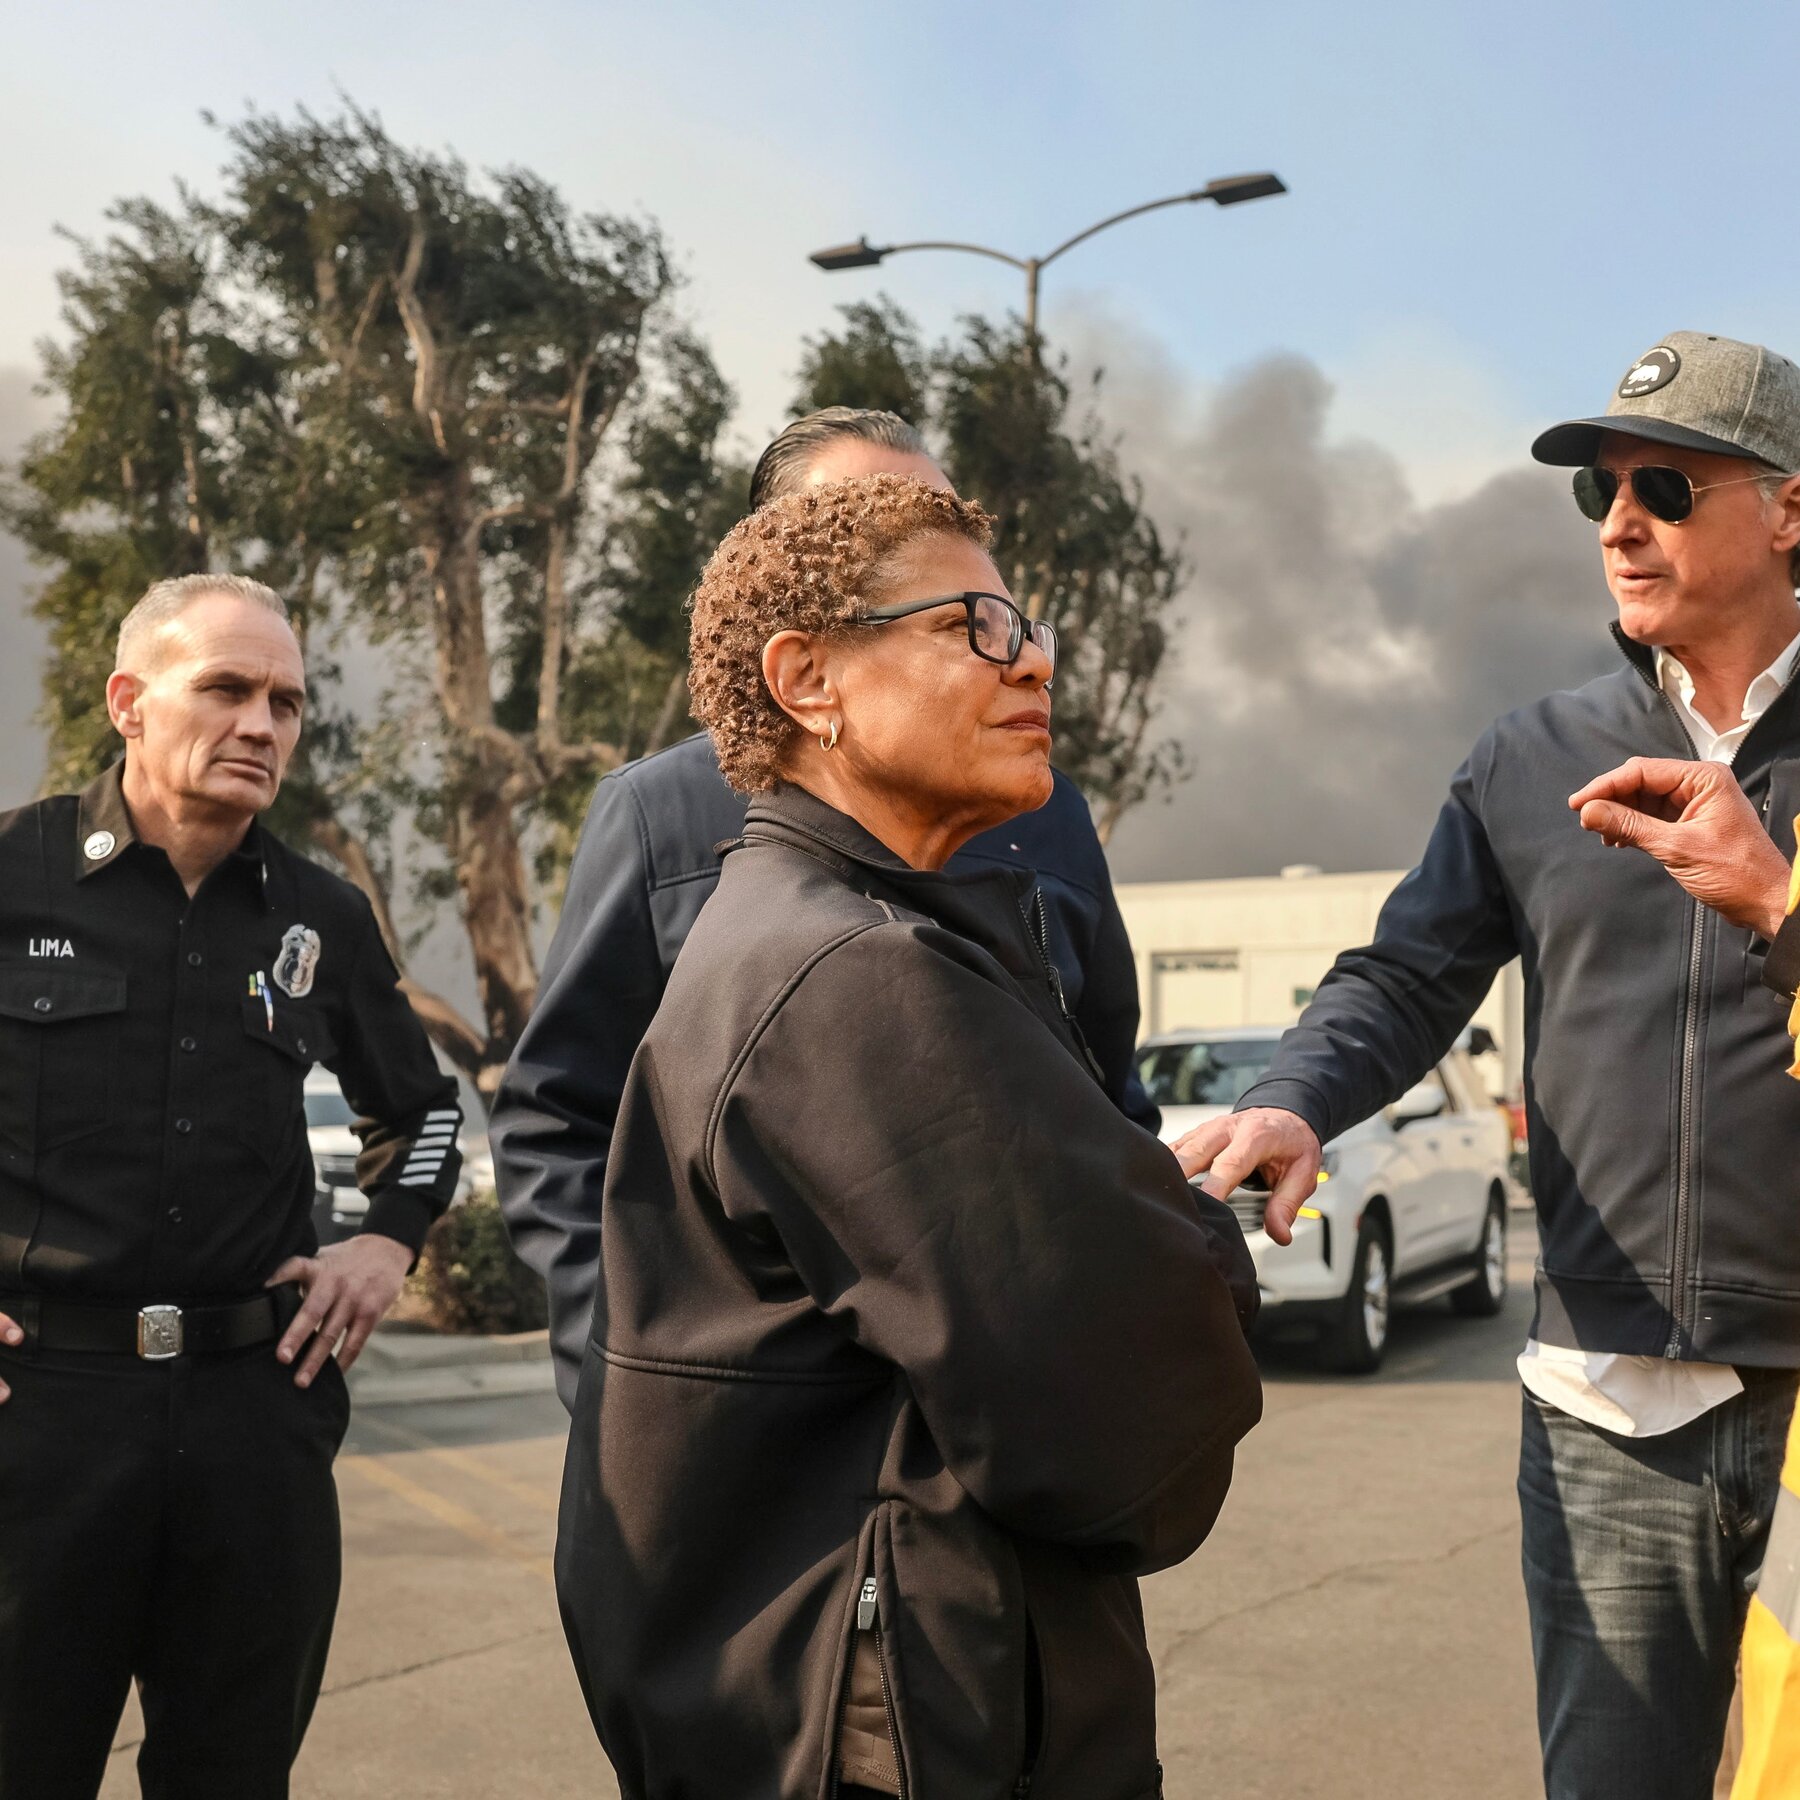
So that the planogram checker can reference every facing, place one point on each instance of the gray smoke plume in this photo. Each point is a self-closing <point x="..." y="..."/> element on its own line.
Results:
<point x="21" y="637"/>
<point x="1340" y="646"/>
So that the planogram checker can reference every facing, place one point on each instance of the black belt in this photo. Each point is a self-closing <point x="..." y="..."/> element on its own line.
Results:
<point x="157" y="1332"/>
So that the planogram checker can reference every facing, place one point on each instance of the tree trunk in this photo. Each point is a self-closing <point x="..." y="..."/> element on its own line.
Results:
<point x="481" y="767"/>
<point x="351" y="855"/>
<point x="465" y="1046"/>
<point x="491" y="874"/>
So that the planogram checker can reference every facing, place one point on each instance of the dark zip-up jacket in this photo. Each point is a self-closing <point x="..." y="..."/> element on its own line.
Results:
<point x="1661" y="1121"/>
<point x="647" y="862"/>
<point x="890" y="1293"/>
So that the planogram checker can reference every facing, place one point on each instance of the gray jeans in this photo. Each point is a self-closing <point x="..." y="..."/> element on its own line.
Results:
<point x="1639" y="1556"/>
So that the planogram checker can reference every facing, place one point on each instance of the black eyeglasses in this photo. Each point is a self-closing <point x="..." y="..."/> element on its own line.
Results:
<point x="1663" y="493"/>
<point x="997" y="629"/>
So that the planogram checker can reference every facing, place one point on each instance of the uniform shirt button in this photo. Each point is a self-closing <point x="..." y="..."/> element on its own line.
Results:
<point x="300" y="1045"/>
<point x="174" y="1215"/>
<point x="195" y="959"/>
<point x="184" y="1126"/>
<point x="190" y="1045"/>
<point x="41" y="1003"/>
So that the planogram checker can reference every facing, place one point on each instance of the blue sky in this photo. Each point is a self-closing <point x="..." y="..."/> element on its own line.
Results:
<point x="1493" y="208"/>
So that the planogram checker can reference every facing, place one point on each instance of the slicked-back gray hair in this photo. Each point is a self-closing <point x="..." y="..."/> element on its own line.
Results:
<point x="165" y="600"/>
<point x="781" y="469"/>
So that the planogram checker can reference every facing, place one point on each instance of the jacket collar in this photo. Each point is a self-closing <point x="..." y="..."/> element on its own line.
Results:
<point x="103" y="828"/>
<point x="1773" y="729"/>
<point x="987" y="904"/>
<point x="104" y="832"/>
<point x="995" y="907"/>
<point x="791" y="814"/>
<point x="788" y="812"/>
<point x="1642" y="657"/>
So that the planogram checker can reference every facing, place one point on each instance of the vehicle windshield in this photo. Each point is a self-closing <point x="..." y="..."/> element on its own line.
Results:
<point x="326" y="1106"/>
<point x="1219" y="1073"/>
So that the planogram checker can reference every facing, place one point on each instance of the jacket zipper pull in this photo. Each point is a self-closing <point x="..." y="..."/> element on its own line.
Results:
<point x="865" y="1606"/>
<point x="1053" y="975"/>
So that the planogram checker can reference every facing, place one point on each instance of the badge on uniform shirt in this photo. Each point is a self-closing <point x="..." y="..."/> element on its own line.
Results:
<point x="99" y="844"/>
<point x="298" y="959"/>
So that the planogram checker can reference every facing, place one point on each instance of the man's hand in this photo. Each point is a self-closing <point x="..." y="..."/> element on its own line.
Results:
<point x="1279" y="1143"/>
<point x="1693" y="818"/>
<point x="12" y="1334"/>
<point x="345" y="1291"/>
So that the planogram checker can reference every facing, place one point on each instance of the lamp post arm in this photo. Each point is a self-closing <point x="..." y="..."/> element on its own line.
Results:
<point x="1119" y="218"/>
<point x="973" y="249"/>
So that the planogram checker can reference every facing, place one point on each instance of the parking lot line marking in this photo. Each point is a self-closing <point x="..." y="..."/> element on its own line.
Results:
<point x="447" y="1512"/>
<point x="461" y="1459"/>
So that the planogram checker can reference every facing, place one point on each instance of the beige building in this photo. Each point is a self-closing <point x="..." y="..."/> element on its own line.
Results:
<point x="1251" y="952"/>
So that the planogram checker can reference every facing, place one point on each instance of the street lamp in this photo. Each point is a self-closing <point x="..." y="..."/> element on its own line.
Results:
<point x="1228" y="190"/>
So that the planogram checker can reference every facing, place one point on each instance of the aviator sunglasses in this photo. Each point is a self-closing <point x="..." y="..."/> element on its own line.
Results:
<point x="997" y="629"/>
<point x="1663" y="493"/>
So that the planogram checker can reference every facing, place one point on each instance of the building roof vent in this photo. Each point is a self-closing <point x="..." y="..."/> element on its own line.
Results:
<point x="1300" y="871"/>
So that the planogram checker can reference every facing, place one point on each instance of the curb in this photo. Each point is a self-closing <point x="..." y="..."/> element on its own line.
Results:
<point x="400" y="1367"/>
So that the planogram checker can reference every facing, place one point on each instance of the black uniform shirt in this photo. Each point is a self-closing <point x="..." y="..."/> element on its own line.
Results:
<point x="153" y="1049"/>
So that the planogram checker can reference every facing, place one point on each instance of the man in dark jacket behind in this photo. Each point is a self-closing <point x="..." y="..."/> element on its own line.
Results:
<point x="647" y="862"/>
<point x="1660" y="1372"/>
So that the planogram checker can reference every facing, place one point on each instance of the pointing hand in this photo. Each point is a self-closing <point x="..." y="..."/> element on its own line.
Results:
<point x="1279" y="1143"/>
<point x="1693" y="818"/>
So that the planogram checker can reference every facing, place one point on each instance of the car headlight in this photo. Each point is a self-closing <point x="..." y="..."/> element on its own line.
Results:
<point x="1328" y="1167"/>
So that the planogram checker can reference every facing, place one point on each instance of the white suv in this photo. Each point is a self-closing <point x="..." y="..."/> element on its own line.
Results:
<point x="1412" y="1203"/>
<point x="339" y="1206"/>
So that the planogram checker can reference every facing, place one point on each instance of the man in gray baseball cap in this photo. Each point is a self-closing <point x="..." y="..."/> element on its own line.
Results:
<point x="1661" y="1364"/>
<point x="1691" y="391"/>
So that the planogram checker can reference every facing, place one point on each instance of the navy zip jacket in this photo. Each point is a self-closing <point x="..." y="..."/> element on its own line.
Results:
<point x="647" y="862"/>
<point x="1664" y="1130"/>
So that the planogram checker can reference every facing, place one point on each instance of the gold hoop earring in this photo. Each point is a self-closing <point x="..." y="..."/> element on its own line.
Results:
<point x="830" y="743"/>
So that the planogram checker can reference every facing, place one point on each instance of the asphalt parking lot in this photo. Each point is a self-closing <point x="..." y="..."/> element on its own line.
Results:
<point x="1354" y="1629"/>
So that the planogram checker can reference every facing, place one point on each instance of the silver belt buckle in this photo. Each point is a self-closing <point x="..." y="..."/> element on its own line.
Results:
<point x="159" y="1333"/>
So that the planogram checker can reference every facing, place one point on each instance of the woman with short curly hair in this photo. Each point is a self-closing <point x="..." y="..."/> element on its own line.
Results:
<point x="911" y="1352"/>
<point x="801" y="565"/>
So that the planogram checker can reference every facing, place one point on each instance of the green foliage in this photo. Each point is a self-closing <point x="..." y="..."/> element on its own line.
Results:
<point x="877" y="361"/>
<point x="469" y="1280"/>
<point x="121" y="493"/>
<point x="1072" y="540"/>
<point x="457" y="424"/>
<point x="676" y="496"/>
<point x="382" y="384"/>
<point x="675" y="501"/>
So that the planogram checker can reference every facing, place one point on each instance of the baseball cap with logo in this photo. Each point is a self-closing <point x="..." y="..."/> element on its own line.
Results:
<point x="1697" y="393"/>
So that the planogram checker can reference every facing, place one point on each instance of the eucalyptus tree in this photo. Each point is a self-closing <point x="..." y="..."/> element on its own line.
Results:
<point x="383" y="383"/>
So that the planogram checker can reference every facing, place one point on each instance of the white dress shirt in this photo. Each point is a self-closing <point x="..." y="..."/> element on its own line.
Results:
<point x="1644" y="1396"/>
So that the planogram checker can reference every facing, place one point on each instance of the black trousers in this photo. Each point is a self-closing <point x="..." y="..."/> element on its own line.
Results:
<point x="175" y="1522"/>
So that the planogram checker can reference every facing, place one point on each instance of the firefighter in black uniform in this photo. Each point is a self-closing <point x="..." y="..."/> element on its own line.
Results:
<point x="171" y="1398"/>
